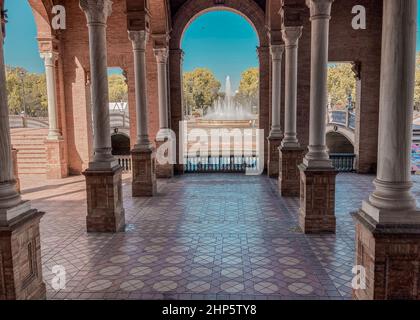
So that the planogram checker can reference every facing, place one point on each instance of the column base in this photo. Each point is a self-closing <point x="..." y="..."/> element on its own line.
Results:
<point x="163" y="171"/>
<point x="273" y="157"/>
<point x="20" y="258"/>
<point x="15" y="169"/>
<point x="144" y="173"/>
<point x="105" y="211"/>
<point x="289" y="177"/>
<point x="390" y="254"/>
<point x="317" y="200"/>
<point x="57" y="167"/>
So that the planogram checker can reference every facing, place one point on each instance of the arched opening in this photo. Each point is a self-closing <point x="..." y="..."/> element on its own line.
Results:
<point x="221" y="90"/>
<point x="120" y="144"/>
<point x="341" y="151"/>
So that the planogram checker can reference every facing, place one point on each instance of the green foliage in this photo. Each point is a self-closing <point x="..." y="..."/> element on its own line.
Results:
<point x="248" y="93"/>
<point x="118" y="89"/>
<point x="26" y="91"/>
<point x="341" y="82"/>
<point x="201" y="88"/>
<point x="417" y="84"/>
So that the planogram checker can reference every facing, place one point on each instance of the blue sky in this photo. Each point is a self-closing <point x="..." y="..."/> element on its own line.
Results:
<point x="222" y="41"/>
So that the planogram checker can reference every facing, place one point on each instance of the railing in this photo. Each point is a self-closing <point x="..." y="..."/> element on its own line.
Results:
<point x="17" y="121"/>
<point x="222" y="164"/>
<point x="343" y="118"/>
<point x="343" y="162"/>
<point x="125" y="163"/>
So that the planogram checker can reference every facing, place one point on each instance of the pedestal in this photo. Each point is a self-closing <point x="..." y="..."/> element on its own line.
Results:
<point x="105" y="212"/>
<point x="273" y="157"/>
<point x="289" y="175"/>
<point x="20" y="257"/>
<point x="16" y="169"/>
<point x="163" y="171"/>
<point x="390" y="255"/>
<point x="57" y="167"/>
<point x="144" y="174"/>
<point x="317" y="200"/>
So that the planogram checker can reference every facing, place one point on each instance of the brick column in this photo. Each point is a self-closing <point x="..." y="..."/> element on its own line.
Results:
<point x="57" y="167"/>
<point x="291" y="153"/>
<point x="143" y="154"/>
<point x="388" y="224"/>
<point x="164" y="170"/>
<point x="103" y="177"/>
<point x="276" y="135"/>
<point x="317" y="191"/>
<point x="20" y="245"/>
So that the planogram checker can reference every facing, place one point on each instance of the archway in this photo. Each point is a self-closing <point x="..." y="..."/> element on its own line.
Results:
<point x="187" y="14"/>
<point x="342" y="151"/>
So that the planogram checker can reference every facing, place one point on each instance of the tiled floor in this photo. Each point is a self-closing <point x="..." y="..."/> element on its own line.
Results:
<point x="203" y="237"/>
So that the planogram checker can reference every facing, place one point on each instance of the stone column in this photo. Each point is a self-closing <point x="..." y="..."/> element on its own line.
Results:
<point x="20" y="250"/>
<point x="56" y="163"/>
<point x="388" y="225"/>
<point x="274" y="139"/>
<point x="104" y="175"/>
<point x="143" y="155"/>
<point x="163" y="170"/>
<point x="317" y="191"/>
<point x="291" y="153"/>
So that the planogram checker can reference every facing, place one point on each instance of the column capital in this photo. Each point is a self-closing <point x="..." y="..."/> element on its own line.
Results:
<point x="96" y="11"/>
<point x="138" y="39"/>
<point x="291" y="36"/>
<point x="277" y="51"/>
<point x="161" y="55"/>
<point x="320" y="9"/>
<point x="49" y="58"/>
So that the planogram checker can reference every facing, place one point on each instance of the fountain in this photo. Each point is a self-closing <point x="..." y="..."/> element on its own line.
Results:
<point x="226" y="109"/>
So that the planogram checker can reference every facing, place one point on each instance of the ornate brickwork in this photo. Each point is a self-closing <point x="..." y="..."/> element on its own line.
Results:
<point x="289" y="177"/>
<point x="391" y="258"/>
<point x="105" y="212"/>
<point x="20" y="258"/>
<point x="273" y="157"/>
<point x="144" y="173"/>
<point x="317" y="200"/>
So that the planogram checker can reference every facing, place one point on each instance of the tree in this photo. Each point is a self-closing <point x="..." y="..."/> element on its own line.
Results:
<point x="201" y="88"/>
<point x="417" y="84"/>
<point x="341" y="83"/>
<point x="118" y="89"/>
<point x="26" y="92"/>
<point x="248" y="93"/>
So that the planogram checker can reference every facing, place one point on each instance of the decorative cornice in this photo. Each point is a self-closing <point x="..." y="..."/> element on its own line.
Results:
<point x="160" y="41"/>
<point x="277" y="52"/>
<point x="49" y="58"/>
<point x="291" y="36"/>
<point x="138" y="39"/>
<point x="96" y="11"/>
<point x="161" y="55"/>
<point x="320" y="9"/>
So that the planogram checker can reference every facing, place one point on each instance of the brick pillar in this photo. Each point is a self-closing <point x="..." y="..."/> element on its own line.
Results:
<point x="289" y="177"/>
<point x="388" y="224"/>
<point x="273" y="157"/>
<point x="317" y="200"/>
<point x="21" y="268"/>
<point x="16" y="169"/>
<point x="144" y="175"/>
<point x="20" y="245"/>
<point x="104" y="201"/>
<point x="57" y="167"/>
<point x="164" y="171"/>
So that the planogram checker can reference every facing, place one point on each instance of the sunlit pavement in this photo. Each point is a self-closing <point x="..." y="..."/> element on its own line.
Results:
<point x="215" y="236"/>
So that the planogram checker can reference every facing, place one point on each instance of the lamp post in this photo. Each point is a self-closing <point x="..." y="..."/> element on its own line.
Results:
<point x="22" y="75"/>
